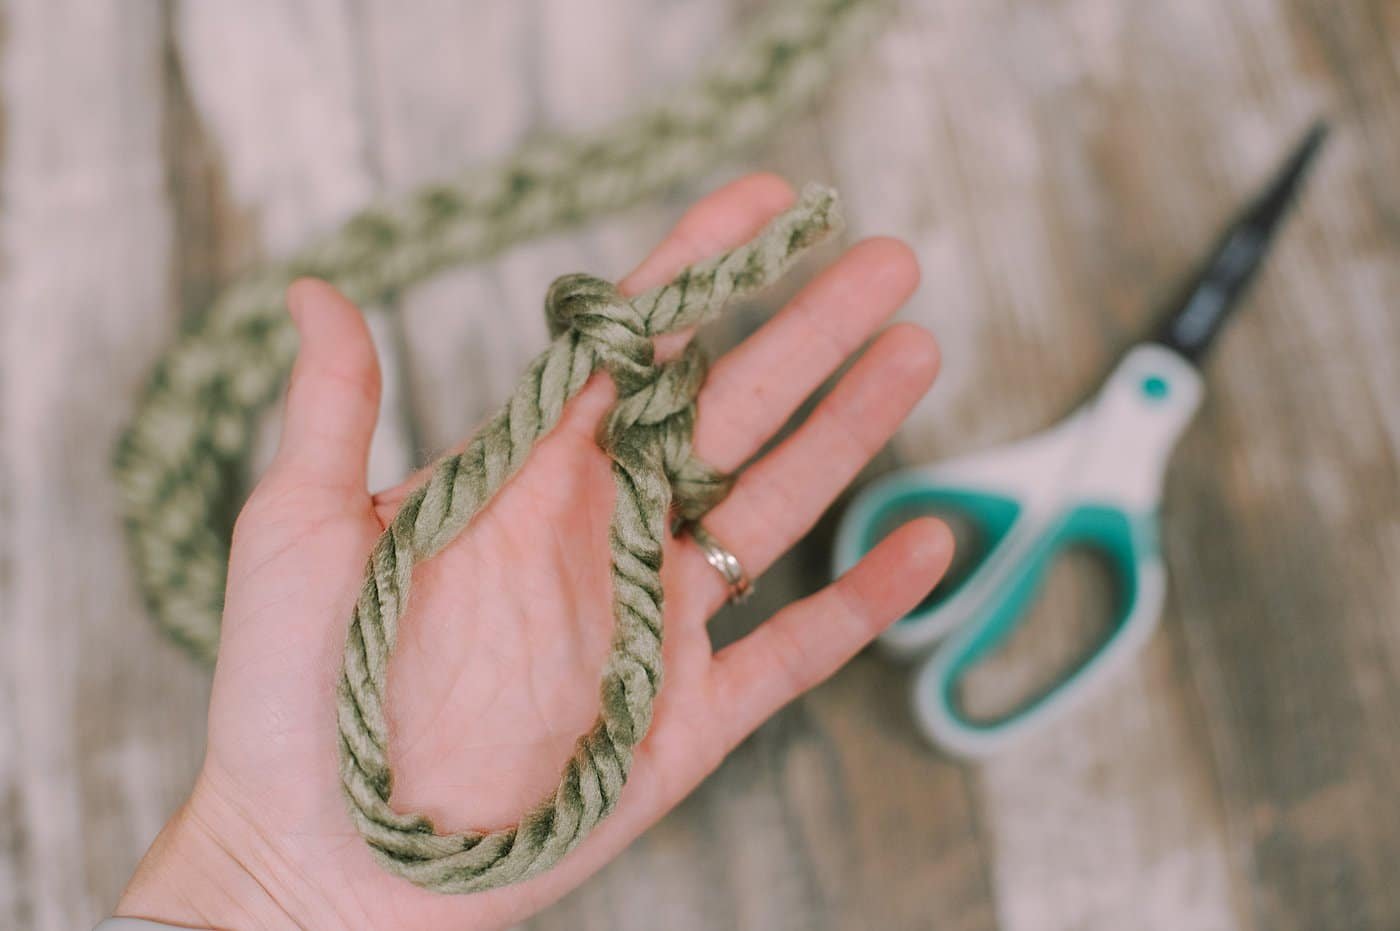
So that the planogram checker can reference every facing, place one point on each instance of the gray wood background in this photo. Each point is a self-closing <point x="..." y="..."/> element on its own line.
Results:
<point x="1057" y="164"/>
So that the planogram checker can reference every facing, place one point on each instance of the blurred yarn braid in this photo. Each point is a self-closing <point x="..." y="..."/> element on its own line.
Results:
<point x="181" y="464"/>
<point x="647" y="435"/>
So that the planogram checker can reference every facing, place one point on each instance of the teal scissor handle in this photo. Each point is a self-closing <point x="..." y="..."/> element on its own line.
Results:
<point x="983" y="520"/>
<point x="1127" y="543"/>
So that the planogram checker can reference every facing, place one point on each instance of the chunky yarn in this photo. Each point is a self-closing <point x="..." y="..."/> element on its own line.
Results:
<point x="647" y="435"/>
<point x="182" y="461"/>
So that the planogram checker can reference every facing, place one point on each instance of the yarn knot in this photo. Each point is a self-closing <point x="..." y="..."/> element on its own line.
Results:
<point x="649" y="428"/>
<point x="600" y="316"/>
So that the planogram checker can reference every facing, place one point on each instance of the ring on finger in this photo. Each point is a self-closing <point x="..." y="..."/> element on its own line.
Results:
<point x="724" y="562"/>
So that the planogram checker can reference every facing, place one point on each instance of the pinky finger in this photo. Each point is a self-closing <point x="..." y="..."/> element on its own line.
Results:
<point x="809" y="640"/>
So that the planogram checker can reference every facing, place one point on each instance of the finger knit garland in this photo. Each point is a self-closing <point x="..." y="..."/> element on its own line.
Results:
<point x="647" y="435"/>
<point x="181" y="463"/>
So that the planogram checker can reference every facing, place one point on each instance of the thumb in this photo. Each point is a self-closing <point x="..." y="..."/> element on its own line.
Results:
<point x="333" y="393"/>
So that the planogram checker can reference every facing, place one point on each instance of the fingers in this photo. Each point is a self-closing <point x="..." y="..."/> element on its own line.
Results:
<point x="776" y="500"/>
<point x="727" y="218"/>
<point x="809" y="640"/>
<point x="333" y="393"/>
<point x="756" y="387"/>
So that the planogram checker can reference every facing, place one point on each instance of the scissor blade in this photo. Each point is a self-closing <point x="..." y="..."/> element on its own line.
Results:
<point x="1197" y="318"/>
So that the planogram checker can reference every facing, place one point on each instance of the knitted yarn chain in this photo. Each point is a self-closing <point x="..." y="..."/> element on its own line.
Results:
<point x="647" y="435"/>
<point x="180" y="464"/>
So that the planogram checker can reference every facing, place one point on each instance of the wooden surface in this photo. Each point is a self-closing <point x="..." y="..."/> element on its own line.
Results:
<point x="1057" y="164"/>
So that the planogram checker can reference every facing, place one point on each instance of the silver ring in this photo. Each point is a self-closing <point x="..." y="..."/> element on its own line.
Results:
<point x="725" y="563"/>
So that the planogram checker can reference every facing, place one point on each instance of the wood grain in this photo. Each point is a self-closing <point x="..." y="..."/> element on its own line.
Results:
<point x="1056" y="165"/>
<point x="103" y="719"/>
<point x="1122" y="829"/>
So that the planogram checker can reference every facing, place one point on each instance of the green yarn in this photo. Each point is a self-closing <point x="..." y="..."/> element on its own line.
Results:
<point x="647" y="435"/>
<point x="182" y="461"/>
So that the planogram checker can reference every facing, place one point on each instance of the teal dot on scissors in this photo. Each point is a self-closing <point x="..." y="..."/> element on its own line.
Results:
<point x="1155" y="387"/>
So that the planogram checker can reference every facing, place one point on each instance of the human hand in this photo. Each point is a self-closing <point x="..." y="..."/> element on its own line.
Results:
<point x="498" y="658"/>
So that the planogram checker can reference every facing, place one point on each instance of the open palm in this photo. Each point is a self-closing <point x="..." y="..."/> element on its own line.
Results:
<point x="498" y="659"/>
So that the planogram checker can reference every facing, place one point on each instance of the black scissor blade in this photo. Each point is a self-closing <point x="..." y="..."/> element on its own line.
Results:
<point x="1196" y="319"/>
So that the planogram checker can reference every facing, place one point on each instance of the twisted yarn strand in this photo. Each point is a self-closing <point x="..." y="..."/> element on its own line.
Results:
<point x="180" y="464"/>
<point x="647" y="435"/>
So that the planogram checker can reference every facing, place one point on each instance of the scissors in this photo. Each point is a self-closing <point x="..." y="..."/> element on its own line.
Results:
<point x="1092" y="482"/>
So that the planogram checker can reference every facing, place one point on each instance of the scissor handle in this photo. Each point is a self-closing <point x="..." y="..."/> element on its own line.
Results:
<point x="982" y="517"/>
<point x="990" y="498"/>
<point x="1129" y="545"/>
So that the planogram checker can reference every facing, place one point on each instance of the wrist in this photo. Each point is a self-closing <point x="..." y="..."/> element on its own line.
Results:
<point x="197" y="874"/>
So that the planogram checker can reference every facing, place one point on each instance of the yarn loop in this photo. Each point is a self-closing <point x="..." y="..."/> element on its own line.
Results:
<point x="647" y="435"/>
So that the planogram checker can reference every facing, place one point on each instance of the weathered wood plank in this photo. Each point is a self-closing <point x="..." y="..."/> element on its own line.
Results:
<point x="996" y="180"/>
<point x="103" y="718"/>
<point x="1291" y="540"/>
<point x="872" y="830"/>
<point x="436" y="109"/>
<point x="1088" y="160"/>
<point x="289" y="72"/>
